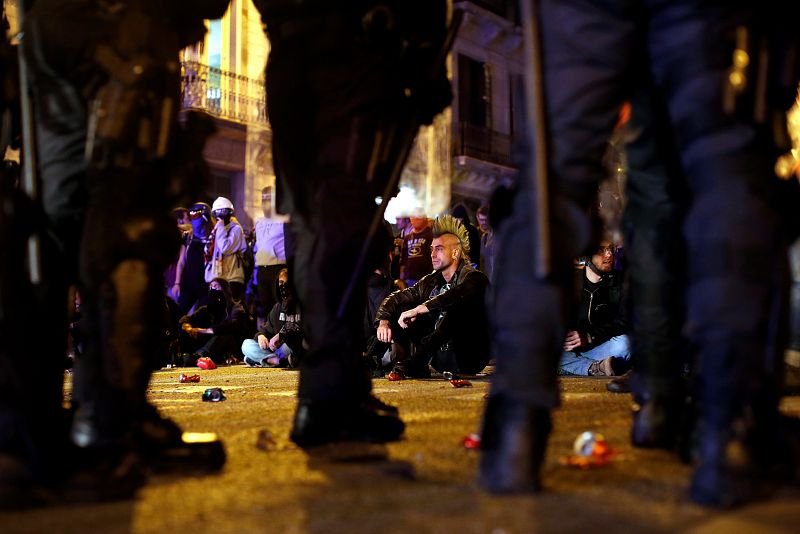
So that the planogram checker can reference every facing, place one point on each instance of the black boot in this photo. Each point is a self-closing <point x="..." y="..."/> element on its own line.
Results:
<point x="166" y="449"/>
<point x="319" y="422"/>
<point x="621" y="384"/>
<point x="513" y="446"/>
<point x="656" y="421"/>
<point x="725" y="474"/>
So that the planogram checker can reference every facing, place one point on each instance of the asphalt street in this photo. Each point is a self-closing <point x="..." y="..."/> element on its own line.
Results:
<point x="424" y="483"/>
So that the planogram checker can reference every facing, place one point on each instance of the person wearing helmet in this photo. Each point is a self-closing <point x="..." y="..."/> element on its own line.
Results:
<point x="229" y="245"/>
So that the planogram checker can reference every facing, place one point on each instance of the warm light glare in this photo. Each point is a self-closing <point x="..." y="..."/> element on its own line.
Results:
<point x="199" y="437"/>
<point x="740" y="59"/>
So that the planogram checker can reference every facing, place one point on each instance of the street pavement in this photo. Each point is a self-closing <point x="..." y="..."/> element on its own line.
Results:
<point x="424" y="483"/>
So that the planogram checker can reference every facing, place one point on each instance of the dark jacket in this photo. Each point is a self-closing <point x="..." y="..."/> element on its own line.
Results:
<point x="285" y="319"/>
<point x="601" y="309"/>
<point x="459" y="313"/>
<point x="228" y="321"/>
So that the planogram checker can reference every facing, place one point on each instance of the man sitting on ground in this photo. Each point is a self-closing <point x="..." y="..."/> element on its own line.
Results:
<point x="441" y="320"/>
<point x="598" y="345"/>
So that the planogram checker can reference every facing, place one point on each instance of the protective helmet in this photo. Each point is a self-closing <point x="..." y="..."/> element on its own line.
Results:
<point x="200" y="209"/>
<point x="222" y="203"/>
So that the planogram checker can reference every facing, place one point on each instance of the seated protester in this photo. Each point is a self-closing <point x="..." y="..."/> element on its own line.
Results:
<point x="379" y="286"/>
<point x="598" y="344"/>
<point x="441" y="320"/>
<point x="215" y="330"/>
<point x="279" y="343"/>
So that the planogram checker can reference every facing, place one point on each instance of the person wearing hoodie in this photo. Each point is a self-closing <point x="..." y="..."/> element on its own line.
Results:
<point x="215" y="330"/>
<point x="229" y="245"/>
<point x="279" y="342"/>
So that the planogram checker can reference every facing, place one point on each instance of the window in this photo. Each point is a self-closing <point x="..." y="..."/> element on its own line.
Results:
<point x="473" y="91"/>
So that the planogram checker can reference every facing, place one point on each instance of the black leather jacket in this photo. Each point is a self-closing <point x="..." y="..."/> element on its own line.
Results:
<point x="468" y="289"/>
<point x="601" y="309"/>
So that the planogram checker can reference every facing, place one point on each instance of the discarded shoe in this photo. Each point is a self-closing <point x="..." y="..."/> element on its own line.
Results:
<point x="318" y="423"/>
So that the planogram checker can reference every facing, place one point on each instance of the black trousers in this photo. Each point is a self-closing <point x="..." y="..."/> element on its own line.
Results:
<point x="330" y="101"/>
<point x="112" y="237"/>
<point x="736" y="252"/>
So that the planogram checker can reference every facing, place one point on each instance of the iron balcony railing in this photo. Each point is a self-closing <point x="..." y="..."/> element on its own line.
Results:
<point x="482" y="143"/>
<point x="224" y="94"/>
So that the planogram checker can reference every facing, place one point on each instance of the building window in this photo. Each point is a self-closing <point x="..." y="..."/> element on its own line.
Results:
<point x="516" y="91"/>
<point x="474" y="88"/>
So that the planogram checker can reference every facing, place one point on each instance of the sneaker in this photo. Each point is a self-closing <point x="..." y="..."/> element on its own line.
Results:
<point x="251" y="363"/>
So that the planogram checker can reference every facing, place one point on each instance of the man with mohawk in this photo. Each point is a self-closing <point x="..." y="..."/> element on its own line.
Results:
<point x="442" y="319"/>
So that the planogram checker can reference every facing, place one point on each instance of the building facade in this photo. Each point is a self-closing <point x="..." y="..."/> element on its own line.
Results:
<point x="487" y="65"/>
<point x="460" y="158"/>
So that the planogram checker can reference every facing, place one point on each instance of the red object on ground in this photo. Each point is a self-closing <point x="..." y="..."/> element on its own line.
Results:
<point x="188" y="378"/>
<point x="460" y="383"/>
<point x="206" y="363"/>
<point x="592" y="450"/>
<point x="472" y="441"/>
<point x="394" y="376"/>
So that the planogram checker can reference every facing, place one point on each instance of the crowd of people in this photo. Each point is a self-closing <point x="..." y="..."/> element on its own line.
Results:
<point x="231" y="314"/>
<point x="348" y="84"/>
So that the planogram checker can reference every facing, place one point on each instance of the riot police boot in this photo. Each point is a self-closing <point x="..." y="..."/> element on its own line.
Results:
<point x="320" y="422"/>
<point x="104" y="465"/>
<point x="32" y="465"/>
<point x="109" y="472"/>
<point x="166" y="449"/>
<point x="725" y="472"/>
<point x="379" y="406"/>
<point x="656" y="421"/>
<point x="18" y="489"/>
<point x="513" y="446"/>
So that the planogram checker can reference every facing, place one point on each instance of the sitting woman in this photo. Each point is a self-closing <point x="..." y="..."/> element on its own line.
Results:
<point x="279" y="343"/>
<point x="215" y="330"/>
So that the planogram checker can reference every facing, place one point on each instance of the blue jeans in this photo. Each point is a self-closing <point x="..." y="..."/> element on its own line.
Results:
<point x="578" y="362"/>
<point x="255" y="355"/>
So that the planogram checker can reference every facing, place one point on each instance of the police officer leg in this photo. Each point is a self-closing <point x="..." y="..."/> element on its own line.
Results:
<point x="527" y="341"/>
<point x="657" y="193"/>
<point x="736" y="251"/>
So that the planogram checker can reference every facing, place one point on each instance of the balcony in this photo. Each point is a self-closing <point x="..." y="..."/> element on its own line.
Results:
<point x="481" y="143"/>
<point x="223" y="94"/>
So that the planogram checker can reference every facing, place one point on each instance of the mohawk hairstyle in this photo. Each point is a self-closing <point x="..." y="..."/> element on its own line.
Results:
<point x="447" y="224"/>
